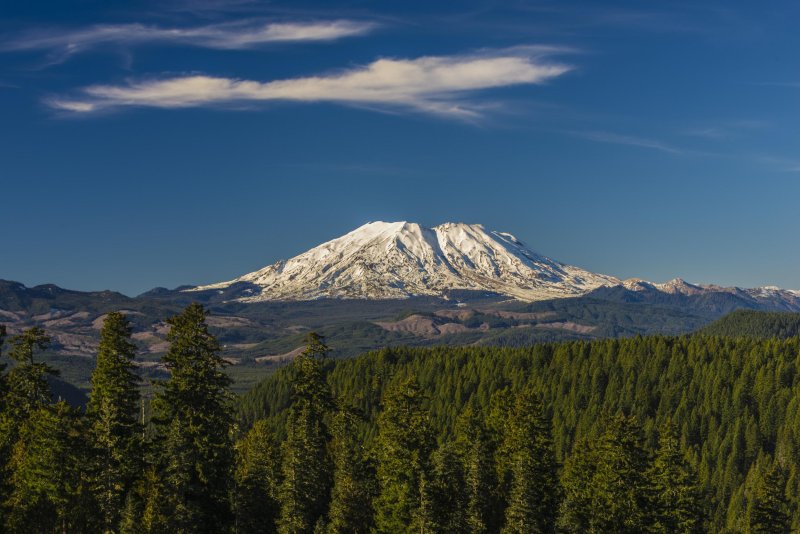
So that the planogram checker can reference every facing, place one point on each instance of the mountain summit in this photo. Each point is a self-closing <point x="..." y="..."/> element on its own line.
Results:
<point x="386" y="260"/>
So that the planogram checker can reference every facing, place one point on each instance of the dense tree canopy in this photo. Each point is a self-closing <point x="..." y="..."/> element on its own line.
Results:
<point x="648" y="434"/>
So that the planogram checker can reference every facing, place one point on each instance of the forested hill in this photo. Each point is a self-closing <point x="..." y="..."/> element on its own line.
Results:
<point x="759" y="324"/>
<point x="735" y="401"/>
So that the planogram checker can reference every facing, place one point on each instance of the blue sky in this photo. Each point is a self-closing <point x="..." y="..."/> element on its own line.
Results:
<point x="183" y="142"/>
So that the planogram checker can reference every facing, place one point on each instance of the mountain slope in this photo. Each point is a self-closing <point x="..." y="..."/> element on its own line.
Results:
<point x="397" y="260"/>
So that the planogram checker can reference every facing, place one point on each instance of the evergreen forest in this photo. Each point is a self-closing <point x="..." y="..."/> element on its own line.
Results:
<point x="655" y="434"/>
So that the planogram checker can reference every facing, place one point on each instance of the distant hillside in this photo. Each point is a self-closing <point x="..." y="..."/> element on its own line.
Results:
<point x="755" y="324"/>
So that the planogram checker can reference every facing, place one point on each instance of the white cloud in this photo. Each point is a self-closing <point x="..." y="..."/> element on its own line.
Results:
<point x="233" y="35"/>
<point x="434" y="84"/>
<point x="610" y="137"/>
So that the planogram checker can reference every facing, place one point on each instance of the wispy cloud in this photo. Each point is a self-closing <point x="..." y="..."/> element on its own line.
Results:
<point x="227" y="36"/>
<point x="433" y="84"/>
<point x="780" y="164"/>
<point x="728" y="129"/>
<point x="618" y="139"/>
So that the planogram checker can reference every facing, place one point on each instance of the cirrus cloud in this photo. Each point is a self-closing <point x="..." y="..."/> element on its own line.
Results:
<point x="434" y="84"/>
<point x="227" y="36"/>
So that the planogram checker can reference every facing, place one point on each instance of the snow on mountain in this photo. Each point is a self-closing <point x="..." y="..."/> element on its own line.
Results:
<point x="383" y="260"/>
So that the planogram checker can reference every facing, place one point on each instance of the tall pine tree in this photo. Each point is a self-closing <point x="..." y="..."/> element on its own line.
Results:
<point x="257" y="473"/>
<point x="404" y="445"/>
<point x="677" y="492"/>
<point x="112" y="411"/>
<point x="193" y="414"/>
<point x="606" y="484"/>
<point x="535" y="492"/>
<point x="46" y="473"/>
<point x="307" y="470"/>
<point x="354" y="483"/>
<point x="770" y="509"/>
<point x="476" y="451"/>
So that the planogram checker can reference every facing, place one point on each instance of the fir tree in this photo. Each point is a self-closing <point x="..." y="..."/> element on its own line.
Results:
<point x="403" y="450"/>
<point x="677" y="492"/>
<point x="257" y="472"/>
<point x="474" y="447"/>
<point x="49" y="494"/>
<point x="353" y="480"/>
<point x="606" y="484"/>
<point x="450" y="502"/>
<point x="770" y="509"/>
<point x="535" y="493"/>
<point x="28" y="389"/>
<point x="115" y="430"/>
<point x="306" y="466"/>
<point x="193" y="414"/>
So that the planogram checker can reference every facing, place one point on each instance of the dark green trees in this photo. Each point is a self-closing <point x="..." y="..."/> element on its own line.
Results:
<point x="47" y="474"/>
<point x="193" y="415"/>
<point x="534" y="496"/>
<point x="27" y="383"/>
<point x="403" y="450"/>
<point x="307" y="475"/>
<point x="770" y="510"/>
<point x="257" y="474"/>
<point x="678" y="497"/>
<point x="606" y="488"/>
<point x="354" y="485"/>
<point x="112" y="411"/>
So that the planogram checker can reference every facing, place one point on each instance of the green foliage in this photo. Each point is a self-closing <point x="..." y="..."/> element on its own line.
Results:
<point x="770" y="510"/>
<point x="354" y="484"/>
<point x="49" y="492"/>
<point x="605" y="483"/>
<point x="305" y="492"/>
<point x="731" y="398"/>
<point x="403" y="451"/>
<point x="758" y="324"/>
<point x="27" y="383"/>
<point x="257" y="474"/>
<point x="192" y="413"/>
<point x="117" y="458"/>
<point x="679" y="499"/>
<point x="534" y="495"/>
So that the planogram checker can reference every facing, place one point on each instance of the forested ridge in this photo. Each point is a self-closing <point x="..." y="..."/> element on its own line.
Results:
<point x="749" y="323"/>
<point x="647" y="434"/>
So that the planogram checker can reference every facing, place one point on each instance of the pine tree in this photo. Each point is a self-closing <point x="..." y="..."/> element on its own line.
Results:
<point x="474" y="448"/>
<point x="257" y="473"/>
<point x="28" y="389"/>
<point x="677" y="492"/>
<point x="403" y="449"/>
<point x="193" y="415"/>
<point x="49" y="494"/>
<point x="770" y="509"/>
<point x="450" y="498"/>
<point x="306" y="466"/>
<point x="354" y="485"/>
<point x="535" y="493"/>
<point x="115" y="431"/>
<point x="606" y="484"/>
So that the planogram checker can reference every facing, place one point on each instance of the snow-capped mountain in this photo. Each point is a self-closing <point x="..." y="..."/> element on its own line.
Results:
<point x="383" y="260"/>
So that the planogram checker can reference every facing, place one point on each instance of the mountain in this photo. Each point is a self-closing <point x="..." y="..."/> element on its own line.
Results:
<point x="397" y="260"/>
<point x="383" y="260"/>
<point x="384" y="284"/>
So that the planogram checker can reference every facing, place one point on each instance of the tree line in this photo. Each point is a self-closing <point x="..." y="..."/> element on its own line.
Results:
<point x="402" y="440"/>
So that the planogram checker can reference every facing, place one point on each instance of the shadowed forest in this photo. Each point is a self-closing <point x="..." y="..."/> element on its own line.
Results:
<point x="696" y="433"/>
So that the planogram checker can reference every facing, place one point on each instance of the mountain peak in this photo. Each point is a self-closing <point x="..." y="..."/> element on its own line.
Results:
<point x="381" y="260"/>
